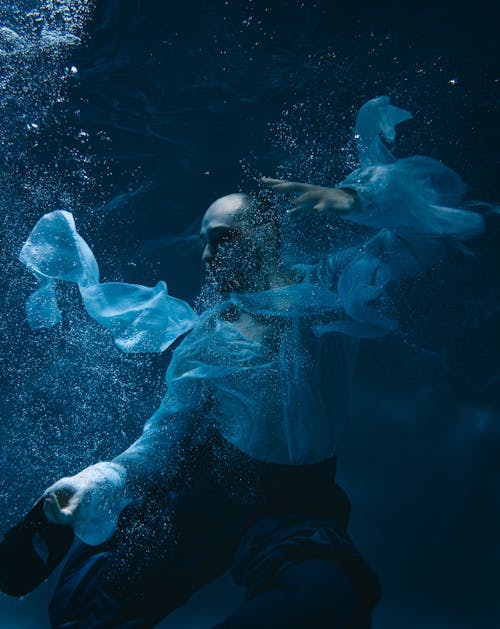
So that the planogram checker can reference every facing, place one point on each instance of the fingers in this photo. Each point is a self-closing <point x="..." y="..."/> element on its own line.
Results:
<point x="326" y="200"/>
<point x="59" y="508"/>
<point x="51" y="509"/>
<point x="281" y="185"/>
<point x="309" y="201"/>
<point x="62" y="495"/>
<point x="315" y="198"/>
<point x="310" y="198"/>
<point x="322" y="206"/>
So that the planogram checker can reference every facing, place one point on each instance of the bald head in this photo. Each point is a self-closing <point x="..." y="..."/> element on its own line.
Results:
<point x="237" y="255"/>
<point x="230" y="209"/>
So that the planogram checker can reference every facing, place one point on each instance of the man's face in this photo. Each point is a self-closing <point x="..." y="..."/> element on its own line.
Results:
<point x="229" y="249"/>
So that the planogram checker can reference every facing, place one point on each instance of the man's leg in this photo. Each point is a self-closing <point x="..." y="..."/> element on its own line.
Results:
<point x="302" y="573"/>
<point x="95" y="593"/>
<point x="151" y="566"/>
<point x="312" y="594"/>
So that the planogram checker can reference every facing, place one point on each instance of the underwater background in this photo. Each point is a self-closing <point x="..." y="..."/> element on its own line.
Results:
<point x="135" y="115"/>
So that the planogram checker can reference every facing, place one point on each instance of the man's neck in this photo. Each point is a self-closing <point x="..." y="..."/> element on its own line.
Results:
<point x="273" y="279"/>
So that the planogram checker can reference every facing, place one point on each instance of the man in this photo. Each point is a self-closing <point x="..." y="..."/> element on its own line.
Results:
<point x="237" y="466"/>
<point x="214" y="427"/>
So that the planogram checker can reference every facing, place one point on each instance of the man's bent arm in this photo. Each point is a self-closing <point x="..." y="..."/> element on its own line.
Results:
<point x="157" y="454"/>
<point x="92" y="500"/>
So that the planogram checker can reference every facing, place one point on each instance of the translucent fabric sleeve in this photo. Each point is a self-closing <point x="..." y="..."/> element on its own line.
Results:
<point x="104" y="489"/>
<point x="417" y="196"/>
<point x="179" y="422"/>
<point x="360" y="277"/>
<point x="100" y="491"/>
<point x="414" y="202"/>
<point x="141" y="318"/>
<point x="155" y="456"/>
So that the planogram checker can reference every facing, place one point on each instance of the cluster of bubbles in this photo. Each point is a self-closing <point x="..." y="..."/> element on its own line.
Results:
<point x="36" y="41"/>
<point x="67" y="397"/>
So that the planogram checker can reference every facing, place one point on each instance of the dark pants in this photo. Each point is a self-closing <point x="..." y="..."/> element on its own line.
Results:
<point x="280" y="529"/>
<point x="298" y="573"/>
<point x="150" y="567"/>
<point x="91" y="595"/>
<point x="315" y="593"/>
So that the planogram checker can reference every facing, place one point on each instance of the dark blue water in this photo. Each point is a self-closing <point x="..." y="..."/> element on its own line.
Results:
<point x="135" y="116"/>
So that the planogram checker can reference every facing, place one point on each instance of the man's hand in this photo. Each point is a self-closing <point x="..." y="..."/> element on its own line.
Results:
<point x="62" y="502"/>
<point x="316" y="198"/>
<point x="90" y="502"/>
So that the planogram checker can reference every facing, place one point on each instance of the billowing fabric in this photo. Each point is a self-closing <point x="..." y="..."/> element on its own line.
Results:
<point x="279" y="395"/>
<point x="141" y="319"/>
<point x="417" y="198"/>
<point x="281" y="399"/>
<point x="415" y="195"/>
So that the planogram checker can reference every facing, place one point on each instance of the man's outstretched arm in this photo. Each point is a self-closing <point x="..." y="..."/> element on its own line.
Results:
<point x="92" y="500"/>
<point x="341" y="200"/>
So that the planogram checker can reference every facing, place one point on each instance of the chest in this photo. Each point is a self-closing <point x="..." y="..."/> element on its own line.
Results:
<point x="264" y="330"/>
